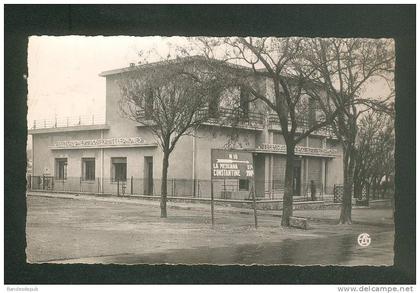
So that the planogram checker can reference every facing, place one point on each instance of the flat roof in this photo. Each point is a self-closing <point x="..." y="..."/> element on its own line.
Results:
<point x="179" y="60"/>
<point x="167" y="62"/>
<point x="69" y="129"/>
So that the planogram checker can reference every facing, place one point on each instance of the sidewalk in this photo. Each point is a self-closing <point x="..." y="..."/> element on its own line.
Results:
<point x="204" y="207"/>
<point x="360" y="215"/>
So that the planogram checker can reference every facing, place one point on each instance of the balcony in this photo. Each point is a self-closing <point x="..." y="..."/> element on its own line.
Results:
<point x="234" y="118"/>
<point x="251" y="120"/>
<point x="222" y="117"/>
<point x="70" y="123"/>
<point x="303" y="125"/>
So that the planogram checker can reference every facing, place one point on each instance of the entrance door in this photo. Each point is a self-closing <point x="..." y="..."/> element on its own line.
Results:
<point x="296" y="178"/>
<point x="148" y="175"/>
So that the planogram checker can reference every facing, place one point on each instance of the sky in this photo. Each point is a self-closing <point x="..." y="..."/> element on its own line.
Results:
<point x="63" y="72"/>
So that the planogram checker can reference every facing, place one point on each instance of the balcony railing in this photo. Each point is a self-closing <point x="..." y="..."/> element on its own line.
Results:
<point x="234" y="118"/>
<point x="240" y="119"/>
<point x="302" y="125"/>
<point x="70" y="121"/>
<point x="221" y="116"/>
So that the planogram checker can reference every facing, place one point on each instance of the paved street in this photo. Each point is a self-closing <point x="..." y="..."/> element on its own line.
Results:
<point x="97" y="230"/>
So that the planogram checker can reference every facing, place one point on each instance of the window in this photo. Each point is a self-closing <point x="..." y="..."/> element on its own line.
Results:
<point x="61" y="169"/>
<point x="215" y="94"/>
<point x="312" y="112"/>
<point x="88" y="169"/>
<point x="244" y="103"/>
<point x="214" y="107"/>
<point x="119" y="169"/>
<point x="243" y="184"/>
<point x="148" y="105"/>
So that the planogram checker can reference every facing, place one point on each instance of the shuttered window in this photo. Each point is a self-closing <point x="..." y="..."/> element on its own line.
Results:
<point x="119" y="169"/>
<point x="88" y="169"/>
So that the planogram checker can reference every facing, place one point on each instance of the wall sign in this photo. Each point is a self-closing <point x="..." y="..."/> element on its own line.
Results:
<point x="230" y="164"/>
<point x="101" y="143"/>
<point x="299" y="150"/>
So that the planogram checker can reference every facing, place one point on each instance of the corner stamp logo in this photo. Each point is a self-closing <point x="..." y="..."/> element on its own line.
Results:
<point x="364" y="239"/>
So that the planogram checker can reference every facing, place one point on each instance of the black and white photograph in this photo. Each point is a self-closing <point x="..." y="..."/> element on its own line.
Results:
<point x="223" y="151"/>
<point x="206" y="150"/>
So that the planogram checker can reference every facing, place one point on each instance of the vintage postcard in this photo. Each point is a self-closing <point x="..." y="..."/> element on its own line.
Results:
<point x="205" y="150"/>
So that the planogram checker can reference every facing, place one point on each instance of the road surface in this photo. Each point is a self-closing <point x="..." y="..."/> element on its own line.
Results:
<point x="89" y="231"/>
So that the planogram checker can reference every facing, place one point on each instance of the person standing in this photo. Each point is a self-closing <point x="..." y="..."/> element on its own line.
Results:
<point x="313" y="190"/>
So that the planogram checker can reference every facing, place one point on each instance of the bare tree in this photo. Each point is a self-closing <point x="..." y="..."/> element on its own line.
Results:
<point x="375" y="153"/>
<point x="277" y="62"/>
<point x="166" y="99"/>
<point x="344" y="67"/>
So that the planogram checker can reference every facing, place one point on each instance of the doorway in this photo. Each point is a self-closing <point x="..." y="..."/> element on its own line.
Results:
<point x="297" y="178"/>
<point x="148" y="175"/>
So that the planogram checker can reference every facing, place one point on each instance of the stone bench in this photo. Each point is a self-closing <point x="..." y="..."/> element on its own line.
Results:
<point x="298" y="222"/>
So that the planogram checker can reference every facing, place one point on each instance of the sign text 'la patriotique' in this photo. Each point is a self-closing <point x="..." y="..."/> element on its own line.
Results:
<point x="100" y="143"/>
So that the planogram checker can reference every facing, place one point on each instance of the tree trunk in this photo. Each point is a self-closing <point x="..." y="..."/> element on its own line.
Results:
<point x="345" y="215"/>
<point x="288" y="187"/>
<point x="385" y="186"/>
<point x="164" y="185"/>
<point x="371" y="188"/>
<point x="365" y="187"/>
<point x="358" y="188"/>
<point x="376" y="188"/>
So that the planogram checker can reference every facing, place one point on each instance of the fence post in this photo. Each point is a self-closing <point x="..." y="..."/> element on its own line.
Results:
<point x="131" y="186"/>
<point x="172" y="187"/>
<point x="30" y="182"/>
<point x="43" y="182"/>
<point x="80" y="180"/>
<point x="98" y="184"/>
<point x="212" y="204"/>
<point x="118" y="187"/>
<point x="254" y="204"/>
<point x="272" y="189"/>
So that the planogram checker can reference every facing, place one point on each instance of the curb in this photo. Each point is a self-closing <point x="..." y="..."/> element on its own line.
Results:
<point x="173" y="205"/>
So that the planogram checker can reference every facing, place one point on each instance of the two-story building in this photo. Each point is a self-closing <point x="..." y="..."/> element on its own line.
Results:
<point x="103" y="154"/>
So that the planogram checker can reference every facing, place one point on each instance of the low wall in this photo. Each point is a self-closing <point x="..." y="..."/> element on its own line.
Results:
<point x="261" y="204"/>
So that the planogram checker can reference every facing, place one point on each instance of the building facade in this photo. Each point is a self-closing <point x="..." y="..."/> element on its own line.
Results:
<point x="113" y="154"/>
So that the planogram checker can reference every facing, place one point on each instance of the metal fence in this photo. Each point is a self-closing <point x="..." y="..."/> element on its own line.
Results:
<point x="229" y="189"/>
<point x="365" y="195"/>
<point x="81" y="120"/>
